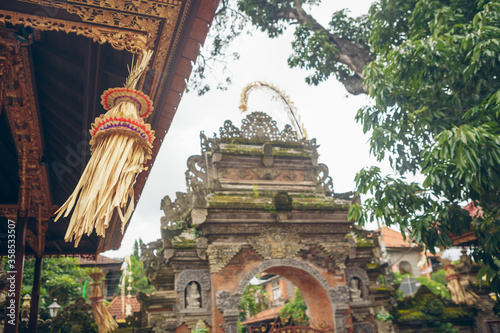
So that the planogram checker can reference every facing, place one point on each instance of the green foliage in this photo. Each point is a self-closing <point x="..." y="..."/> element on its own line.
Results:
<point x="435" y="284"/>
<point x="445" y="328"/>
<point x="254" y="300"/>
<point x="227" y="26"/>
<point x="140" y="282"/>
<point x="77" y="317"/>
<point x="295" y="309"/>
<point x="432" y="69"/>
<point x="263" y="14"/>
<point x="61" y="278"/>
<point x="435" y="86"/>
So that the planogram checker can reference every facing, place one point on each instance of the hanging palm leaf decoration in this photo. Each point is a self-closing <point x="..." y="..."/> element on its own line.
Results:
<point x="121" y="144"/>
<point x="104" y="320"/>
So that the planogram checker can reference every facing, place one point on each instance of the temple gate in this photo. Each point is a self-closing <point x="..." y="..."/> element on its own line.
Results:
<point x="258" y="201"/>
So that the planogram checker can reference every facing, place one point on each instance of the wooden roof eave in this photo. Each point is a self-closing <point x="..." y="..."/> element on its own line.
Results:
<point x="191" y="30"/>
<point x="194" y="34"/>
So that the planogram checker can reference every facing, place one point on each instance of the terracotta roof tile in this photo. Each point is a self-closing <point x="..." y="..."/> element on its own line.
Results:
<point x="100" y="260"/>
<point x="392" y="238"/>
<point x="263" y="315"/>
<point x="116" y="308"/>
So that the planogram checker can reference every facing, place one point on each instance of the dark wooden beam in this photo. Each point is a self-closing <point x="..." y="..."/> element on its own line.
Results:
<point x="35" y="295"/>
<point x="15" y="274"/>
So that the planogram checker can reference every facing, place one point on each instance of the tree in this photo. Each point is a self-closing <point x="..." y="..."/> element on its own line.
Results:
<point x="253" y="300"/>
<point x="139" y="280"/>
<point x="295" y="310"/>
<point x="62" y="278"/>
<point x="436" y="112"/>
<point x="432" y="69"/>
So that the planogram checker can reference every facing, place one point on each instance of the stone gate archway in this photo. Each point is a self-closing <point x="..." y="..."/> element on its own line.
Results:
<point x="258" y="201"/>
<point x="322" y="300"/>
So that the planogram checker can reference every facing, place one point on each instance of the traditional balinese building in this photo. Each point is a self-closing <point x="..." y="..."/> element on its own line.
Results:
<point x="122" y="307"/>
<point x="279" y="292"/>
<point x="112" y="268"/>
<point x="56" y="59"/>
<point x="402" y="254"/>
<point x="259" y="202"/>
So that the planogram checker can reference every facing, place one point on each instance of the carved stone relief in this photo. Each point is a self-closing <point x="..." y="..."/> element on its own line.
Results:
<point x="386" y="326"/>
<point x="201" y="247"/>
<point x="338" y="252"/>
<point x="193" y="275"/>
<point x="359" y="274"/>
<point x="174" y="211"/>
<point x="164" y="322"/>
<point x="325" y="182"/>
<point x="208" y="144"/>
<point x="277" y="243"/>
<point x="196" y="173"/>
<point x="363" y="328"/>
<point x="360" y="313"/>
<point x="243" y="229"/>
<point x="228" y="305"/>
<point x="258" y="126"/>
<point x="225" y="301"/>
<point x="340" y="317"/>
<point x="219" y="255"/>
<point x="339" y="295"/>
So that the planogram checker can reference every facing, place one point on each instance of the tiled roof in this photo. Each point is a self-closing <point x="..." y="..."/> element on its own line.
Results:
<point x="263" y="315"/>
<point x="100" y="260"/>
<point x="116" y="307"/>
<point x="394" y="239"/>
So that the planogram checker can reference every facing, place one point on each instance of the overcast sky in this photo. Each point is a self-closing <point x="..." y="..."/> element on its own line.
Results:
<point x="326" y="111"/>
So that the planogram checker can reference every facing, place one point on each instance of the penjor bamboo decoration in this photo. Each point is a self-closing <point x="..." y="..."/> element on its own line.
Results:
<point x="289" y="106"/>
<point x="121" y="144"/>
<point x="104" y="320"/>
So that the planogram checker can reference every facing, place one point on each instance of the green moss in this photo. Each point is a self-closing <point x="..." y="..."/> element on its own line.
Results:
<point x="233" y="141"/>
<point x="288" y="153"/>
<point x="184" y="245"/>
<point x="381" y="288"/>
<point x="315" y="203"/>
<point x="412" y="314"/>
<point x="448" y="314"/>
<point x="240" y="151"/>
<point x="360" y="242"/>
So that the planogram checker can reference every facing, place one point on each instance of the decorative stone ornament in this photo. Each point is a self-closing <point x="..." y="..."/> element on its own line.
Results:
<point x="277" y="243"/>
<point x="219" y="255"/>
<point x="338" y="252"/>
<point x="363" y="285"/>
<point x="185" y="279"/>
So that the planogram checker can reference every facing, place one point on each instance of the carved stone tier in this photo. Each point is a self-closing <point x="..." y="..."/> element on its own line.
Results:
<point x="260" y="202"/>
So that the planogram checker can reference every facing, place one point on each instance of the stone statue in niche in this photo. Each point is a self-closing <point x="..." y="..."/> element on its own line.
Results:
<point x="193" y="296"/>
<point x="354" y="289"/>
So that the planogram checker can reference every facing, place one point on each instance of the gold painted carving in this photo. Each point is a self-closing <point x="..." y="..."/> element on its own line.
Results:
<point x="9" y="211"/>
<point x="167" y="40"/>
<point x="277" y="243"/>
<point x="338" y="252"/>
<point x="32" y="239"/>
<point x="116" y="19"/>
<point x="151" y="7"/>
<point x="20" y="105"/>
<point x="219" y="255"/>
<point x="134" y="42"/>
